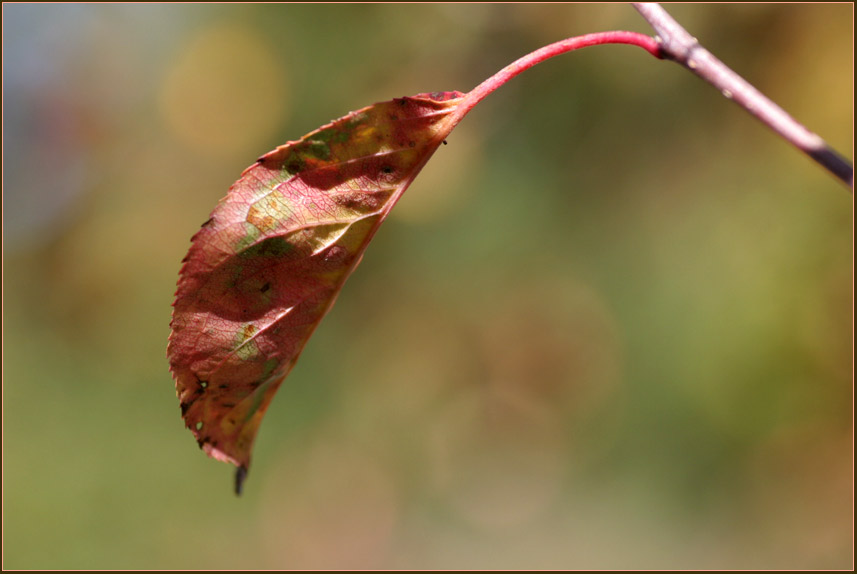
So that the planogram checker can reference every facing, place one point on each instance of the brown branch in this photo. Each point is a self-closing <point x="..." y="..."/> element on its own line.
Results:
<point x="678" y="45"/>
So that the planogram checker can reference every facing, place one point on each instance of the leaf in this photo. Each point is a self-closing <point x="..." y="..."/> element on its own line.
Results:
<point x="266" y="267"/>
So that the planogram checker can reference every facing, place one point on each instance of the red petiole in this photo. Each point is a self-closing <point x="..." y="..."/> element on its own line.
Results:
<point x="478" y="93"/>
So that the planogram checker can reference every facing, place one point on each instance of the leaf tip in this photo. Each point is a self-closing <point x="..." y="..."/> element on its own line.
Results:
<point x="240" y="475"/>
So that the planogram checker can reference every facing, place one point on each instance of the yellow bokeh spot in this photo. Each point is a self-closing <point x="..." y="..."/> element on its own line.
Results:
<point x="225" y="92"/>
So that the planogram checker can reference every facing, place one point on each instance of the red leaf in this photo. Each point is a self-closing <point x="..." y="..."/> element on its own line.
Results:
<point x="269" y="263"/>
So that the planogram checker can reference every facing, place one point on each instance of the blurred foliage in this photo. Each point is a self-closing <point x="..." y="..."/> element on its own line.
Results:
<point x="610" y="325"/>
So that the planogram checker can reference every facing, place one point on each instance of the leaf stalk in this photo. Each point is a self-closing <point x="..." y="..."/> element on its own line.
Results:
<point x="568" y="45"/>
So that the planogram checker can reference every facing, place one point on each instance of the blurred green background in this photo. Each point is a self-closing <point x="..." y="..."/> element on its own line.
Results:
<point x="609" y="326"/>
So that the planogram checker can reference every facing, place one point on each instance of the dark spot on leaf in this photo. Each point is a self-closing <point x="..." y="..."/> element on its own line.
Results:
<point x="207" y="221"/>
<point x="411" y="144"/>
<point x="295" y="164"/>
<point x="223" y="387"/>
<point x="185" y="407"/>
<point x="387" y="169"/>
<point x="444" y="142"/>
<point x="200" y="442"/>
<point x="265" y="287"/>
<point x="228" y="405"/>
